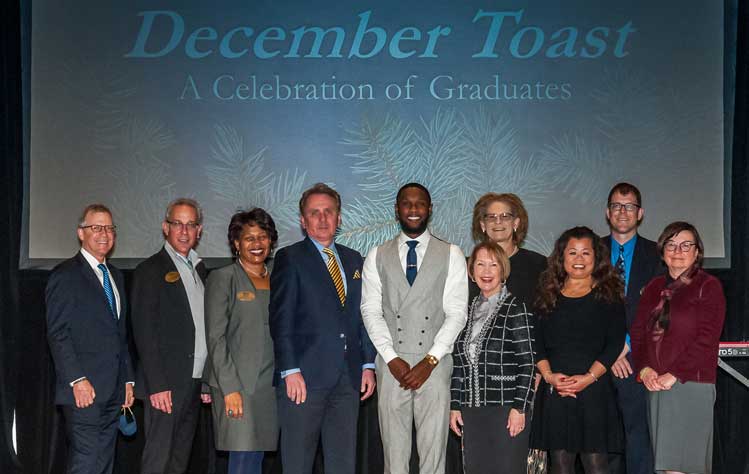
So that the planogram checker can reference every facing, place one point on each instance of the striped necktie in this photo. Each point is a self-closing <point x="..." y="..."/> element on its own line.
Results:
<point x="108" y="291"/>
<point x="335" y="274"/>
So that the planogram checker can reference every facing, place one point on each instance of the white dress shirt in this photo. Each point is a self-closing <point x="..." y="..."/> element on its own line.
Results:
<point x="454" y="299"/>
<point x="94" y="263"/>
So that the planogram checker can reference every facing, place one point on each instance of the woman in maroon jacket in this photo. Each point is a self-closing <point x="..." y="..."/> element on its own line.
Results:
<point x="675" y="349"/>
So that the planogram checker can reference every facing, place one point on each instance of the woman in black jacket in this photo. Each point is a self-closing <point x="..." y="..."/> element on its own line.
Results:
<point x="492" y="381"/>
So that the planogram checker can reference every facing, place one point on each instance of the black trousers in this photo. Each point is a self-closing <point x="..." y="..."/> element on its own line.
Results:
<point x="92" y="434"/>
<point x="329" y="414"/>
<point x="169" y="437"/>
<point x="638" y="454"/>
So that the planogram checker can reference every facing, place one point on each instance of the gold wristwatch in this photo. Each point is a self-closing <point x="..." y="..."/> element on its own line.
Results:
<point x="433" y="361"/>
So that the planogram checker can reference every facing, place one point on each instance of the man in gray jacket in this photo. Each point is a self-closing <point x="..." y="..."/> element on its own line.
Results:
<point x="414" y="300"/>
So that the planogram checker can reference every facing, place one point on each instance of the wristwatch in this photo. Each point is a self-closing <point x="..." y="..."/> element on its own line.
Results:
<point x="433" y="361"/>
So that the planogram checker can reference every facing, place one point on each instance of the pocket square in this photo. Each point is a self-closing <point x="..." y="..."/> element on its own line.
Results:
<point x="357" y="275"/>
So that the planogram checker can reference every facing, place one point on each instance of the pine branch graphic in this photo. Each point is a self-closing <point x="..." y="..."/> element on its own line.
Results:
<point x="239" y="177"/>
<point x="457" y="157"/>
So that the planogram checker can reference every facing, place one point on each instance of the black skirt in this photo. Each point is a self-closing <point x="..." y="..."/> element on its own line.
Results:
<point x="487" y="445"/>
<point x="589" y="423"/>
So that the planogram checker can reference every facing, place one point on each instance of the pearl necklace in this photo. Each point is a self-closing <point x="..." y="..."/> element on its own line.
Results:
<point x="263" y="274"/>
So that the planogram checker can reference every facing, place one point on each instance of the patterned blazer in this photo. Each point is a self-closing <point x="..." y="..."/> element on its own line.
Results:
<point x="502" y="373"/>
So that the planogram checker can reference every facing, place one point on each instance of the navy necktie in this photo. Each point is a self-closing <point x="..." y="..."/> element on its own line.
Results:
<point x="411" y="261"/>
<point x="108" y="291"/>
<point x="620" y="264"/>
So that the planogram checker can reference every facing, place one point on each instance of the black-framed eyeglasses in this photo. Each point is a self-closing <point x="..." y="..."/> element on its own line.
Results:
<point x="190" y="226"/>
<point x="98" y="229"/>
<point x="501" y="217"/>
<point x="685" y="246"/>
<point x="618" y="206"/>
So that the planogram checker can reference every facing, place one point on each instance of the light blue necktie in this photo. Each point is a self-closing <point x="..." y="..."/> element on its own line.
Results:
<point x="108" y="291"/>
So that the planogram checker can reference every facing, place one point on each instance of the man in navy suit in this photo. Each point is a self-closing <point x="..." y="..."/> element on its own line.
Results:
<point x="87" y="336"/>
<point x="324" y="357"/>
<point x="637" y="260"/>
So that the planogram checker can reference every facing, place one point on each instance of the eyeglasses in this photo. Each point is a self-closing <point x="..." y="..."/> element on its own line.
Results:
<point x="685" y="246"/>
<point x="618" y="206"/>
<point x="502" y="217"/>
<point x="190" y="226"/>
<point x="98" y="229"/>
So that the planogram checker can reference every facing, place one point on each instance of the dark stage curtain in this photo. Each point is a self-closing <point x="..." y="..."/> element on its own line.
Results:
<point x="11" y="181"/>
<point x="26" y="371"/>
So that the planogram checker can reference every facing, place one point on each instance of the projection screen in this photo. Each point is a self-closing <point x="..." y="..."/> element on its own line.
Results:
<point x="243" y="104"/>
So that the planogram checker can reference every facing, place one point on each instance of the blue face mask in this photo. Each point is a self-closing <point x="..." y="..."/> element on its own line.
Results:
<point x="128" y="425"/>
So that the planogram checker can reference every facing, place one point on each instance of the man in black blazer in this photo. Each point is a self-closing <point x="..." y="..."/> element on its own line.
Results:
<point x="87" y="333"/>
<point x="324" y="357"/>
<point x="169" y="331"/>
<point x="637" y="260"/>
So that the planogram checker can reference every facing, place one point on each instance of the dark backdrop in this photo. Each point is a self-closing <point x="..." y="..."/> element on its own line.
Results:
<point x="26" y="371"/>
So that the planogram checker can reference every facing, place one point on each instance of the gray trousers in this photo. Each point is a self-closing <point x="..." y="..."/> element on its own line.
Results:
<point x="428" y="408"/>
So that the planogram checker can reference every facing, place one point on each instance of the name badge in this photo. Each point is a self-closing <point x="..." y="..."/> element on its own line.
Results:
<point x="245" y="296"/>
<point x="171" y="277"/>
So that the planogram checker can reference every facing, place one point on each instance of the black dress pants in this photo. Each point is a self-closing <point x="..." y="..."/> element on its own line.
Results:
<point x="169" y="437"/>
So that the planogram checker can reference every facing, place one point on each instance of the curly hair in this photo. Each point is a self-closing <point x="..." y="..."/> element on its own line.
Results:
<point x="255" y="216"/>
<point x="607" y="283"/>
<point x="516" y="207"/>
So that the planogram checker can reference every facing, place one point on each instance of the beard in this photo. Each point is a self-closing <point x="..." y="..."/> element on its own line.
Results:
<point x="407" y="229"/>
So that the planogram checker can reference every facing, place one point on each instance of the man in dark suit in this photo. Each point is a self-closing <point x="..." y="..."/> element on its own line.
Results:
<point x="87" y="335"/>
<point x="323" y="355"/>
<point x="637" y="260"/>
<point x="169" y="330"/>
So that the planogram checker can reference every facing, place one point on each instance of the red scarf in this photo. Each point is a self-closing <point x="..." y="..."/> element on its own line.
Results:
<point x="660" y="317"/>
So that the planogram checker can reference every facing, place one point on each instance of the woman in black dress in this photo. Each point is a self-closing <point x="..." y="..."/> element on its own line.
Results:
<point x="580" y="333"/>
<point x="502" y="218"/>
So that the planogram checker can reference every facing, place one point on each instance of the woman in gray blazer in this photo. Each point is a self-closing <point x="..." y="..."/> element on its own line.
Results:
<point x="240" y="350"/>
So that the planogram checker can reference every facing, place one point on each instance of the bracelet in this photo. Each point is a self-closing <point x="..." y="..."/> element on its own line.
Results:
<point x="595" y="379"/>
<point x="644" y="371"/>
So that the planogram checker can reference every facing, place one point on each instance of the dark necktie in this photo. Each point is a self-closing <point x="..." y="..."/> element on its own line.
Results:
<point x="411" y="261"/>
<point x="108" y="291"/>
<point x="620" y="266"/>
